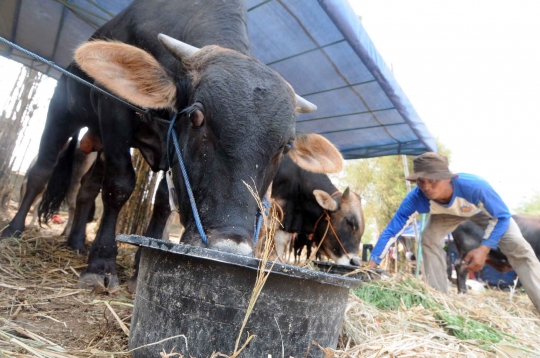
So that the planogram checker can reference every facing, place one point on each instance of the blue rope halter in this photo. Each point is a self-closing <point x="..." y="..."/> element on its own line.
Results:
<point x="267" y="205"/>
<point x="198" y="223"/>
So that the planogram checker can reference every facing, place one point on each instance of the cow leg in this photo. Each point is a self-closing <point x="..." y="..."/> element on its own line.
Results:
<point x="521" y="256"/>
<point x="294" y="247"/>
<point x="71" y="215"/>
<point x="58" y="128"/>
<point x="462" y="275"/>
<point x="309" y="247"/>
<point x="86" y="197"/>
<point x="281" y="240"/>
<point x="156" y="226"/>
<point x="434" y="255"/>
<point x="91" y="213"/>
<point x="83" y="163"/>
<point x="35" y="214"/>
<point x="117" y="132"/>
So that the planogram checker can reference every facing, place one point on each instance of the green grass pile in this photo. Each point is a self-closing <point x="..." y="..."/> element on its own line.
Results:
<point x="410" y="293"/>
<point x="466" y="328"/>
<point x="389" y="296"/>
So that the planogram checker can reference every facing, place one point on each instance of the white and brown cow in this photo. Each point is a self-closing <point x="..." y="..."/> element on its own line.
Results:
<point x="313" y="205"/>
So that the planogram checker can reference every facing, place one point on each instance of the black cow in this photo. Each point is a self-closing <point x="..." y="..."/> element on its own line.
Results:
<point x="236" y="120"/>
<point x="300" y="241"/>
<point x="468" y="236"/>
<point x="89" y="189"/>
<point x="306" y="199"/>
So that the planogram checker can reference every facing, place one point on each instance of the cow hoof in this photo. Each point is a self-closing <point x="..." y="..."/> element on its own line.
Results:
<point x="11" y="232"/>
<point x="81" y="250"/>
<point x="132" y="286"/>
<point x="98" y="283"/>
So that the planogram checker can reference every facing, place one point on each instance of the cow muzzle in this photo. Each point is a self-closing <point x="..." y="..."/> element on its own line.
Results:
<point x="348" y="260"/>
<point x="232" y="240"/>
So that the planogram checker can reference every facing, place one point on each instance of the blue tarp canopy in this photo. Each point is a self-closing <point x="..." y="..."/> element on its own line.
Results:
<point x="319" y="47"/>
<point x="409" y="231"/>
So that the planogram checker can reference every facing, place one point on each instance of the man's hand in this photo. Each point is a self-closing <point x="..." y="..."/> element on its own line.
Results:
<point x="476" y="258"/>
<point x="372" y="265"/>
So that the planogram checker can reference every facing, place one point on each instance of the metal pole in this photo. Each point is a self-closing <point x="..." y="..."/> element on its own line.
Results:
<point x="396" y="257"/>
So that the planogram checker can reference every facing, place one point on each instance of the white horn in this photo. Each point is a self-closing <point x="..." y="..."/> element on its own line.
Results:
<point x="304" y="106"/>
<point x="177" y="48"/>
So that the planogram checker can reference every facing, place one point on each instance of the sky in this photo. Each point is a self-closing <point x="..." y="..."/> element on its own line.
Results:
<point x="472" y="71"/>
<point x="470" y="68"/>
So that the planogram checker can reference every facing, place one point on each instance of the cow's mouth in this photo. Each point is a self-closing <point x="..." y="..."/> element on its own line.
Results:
<point x="237" y="242"/>
<point x="233" y="247"/>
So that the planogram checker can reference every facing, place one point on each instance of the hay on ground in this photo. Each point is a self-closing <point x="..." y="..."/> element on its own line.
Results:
<point x="44" y="314"/>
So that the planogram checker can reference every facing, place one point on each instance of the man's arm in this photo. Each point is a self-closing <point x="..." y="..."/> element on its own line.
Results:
<point x="488" y="199"/>
<point x="372" y="264"/>
<point x="415" y="202"/>
<point x="476" y="259"/>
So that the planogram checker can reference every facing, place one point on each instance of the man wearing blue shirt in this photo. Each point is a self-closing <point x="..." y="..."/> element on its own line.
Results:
<point x="452" y="199"/>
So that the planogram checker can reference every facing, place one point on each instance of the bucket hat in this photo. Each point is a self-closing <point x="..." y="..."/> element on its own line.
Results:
<point x="431" y="165"/>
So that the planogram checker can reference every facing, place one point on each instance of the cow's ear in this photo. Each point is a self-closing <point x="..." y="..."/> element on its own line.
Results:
<point x="129" y="72"/>
<point x="315" y="153"/>
<point x="325" y="200"/>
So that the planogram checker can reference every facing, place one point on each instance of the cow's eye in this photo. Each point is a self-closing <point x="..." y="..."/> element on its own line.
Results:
<point x="287" y="147"/>
<point x="197" y="118"/>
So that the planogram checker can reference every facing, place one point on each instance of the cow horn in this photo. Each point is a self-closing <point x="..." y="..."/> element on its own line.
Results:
<point x="304" y="106"/>
<point x="345" y="195"/>
<point x="177" y="48"/>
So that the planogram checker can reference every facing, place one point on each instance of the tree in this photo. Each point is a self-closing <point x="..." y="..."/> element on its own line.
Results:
<point x="381" y="184"/>
<point x="530" y="206"/>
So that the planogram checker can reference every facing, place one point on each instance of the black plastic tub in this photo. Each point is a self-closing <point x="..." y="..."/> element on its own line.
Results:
<point x="203" y="294"/>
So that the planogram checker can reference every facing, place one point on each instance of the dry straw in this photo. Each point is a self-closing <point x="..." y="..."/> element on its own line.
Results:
<point x="268" y="229"/>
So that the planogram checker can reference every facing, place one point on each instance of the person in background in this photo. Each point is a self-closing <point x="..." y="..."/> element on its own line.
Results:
<point x="451" y="199"/>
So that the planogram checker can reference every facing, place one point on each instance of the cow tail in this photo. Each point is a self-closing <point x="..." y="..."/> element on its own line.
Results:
<point x="59" y="182"/>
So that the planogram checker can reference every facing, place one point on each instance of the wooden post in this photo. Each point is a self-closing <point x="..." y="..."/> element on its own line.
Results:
<point x="136" y="213"/>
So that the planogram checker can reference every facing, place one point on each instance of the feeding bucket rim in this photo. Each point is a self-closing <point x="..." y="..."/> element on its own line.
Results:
<point x="348" y="267"/>
<point x="239" y="260"/>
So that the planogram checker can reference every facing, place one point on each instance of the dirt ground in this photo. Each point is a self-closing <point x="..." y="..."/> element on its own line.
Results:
<point x="39" y="293"/>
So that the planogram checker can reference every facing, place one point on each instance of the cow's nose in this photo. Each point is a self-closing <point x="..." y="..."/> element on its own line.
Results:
<point x="237" y="242"/>
<point x="355" y="261"/>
